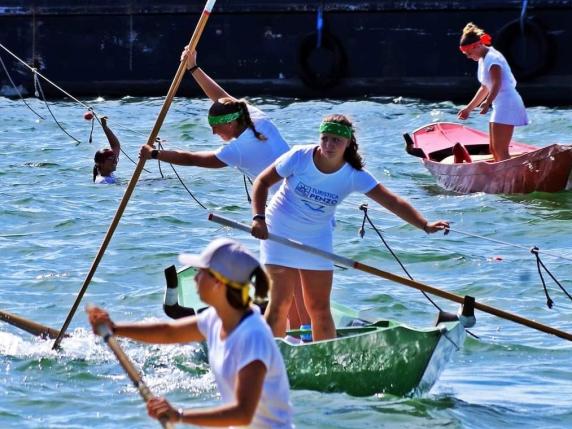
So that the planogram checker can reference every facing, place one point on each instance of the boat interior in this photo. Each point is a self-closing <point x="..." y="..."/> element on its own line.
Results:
<point x="456" y="154"/>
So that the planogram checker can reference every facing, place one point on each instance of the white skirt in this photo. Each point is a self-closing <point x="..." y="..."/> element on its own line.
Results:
<point x="508" y="109"/>
<point x="274" y="253"/>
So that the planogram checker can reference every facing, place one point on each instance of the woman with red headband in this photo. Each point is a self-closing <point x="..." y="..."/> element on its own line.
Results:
<point x="497" y="90"/>
<point x="105" y="160"/>
<point x="317" y="178"/>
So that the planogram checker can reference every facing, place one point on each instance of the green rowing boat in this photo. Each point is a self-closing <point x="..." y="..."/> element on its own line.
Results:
<point x="366" y="358"/>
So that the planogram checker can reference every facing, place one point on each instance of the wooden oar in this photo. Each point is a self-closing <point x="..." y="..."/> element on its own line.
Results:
<point x="398" y="279"/>
<point x="167" y="103"/>
<point x="30" y="326"/>
<point x="132" y="373"/>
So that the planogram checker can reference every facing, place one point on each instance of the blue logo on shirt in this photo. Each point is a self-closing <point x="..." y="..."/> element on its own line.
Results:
<point x="315" y="199"/>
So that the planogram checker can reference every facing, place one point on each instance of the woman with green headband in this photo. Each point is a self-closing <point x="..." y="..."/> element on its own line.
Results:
<point x="243" y="356"/>
<point x="254" y="143"/>
<point x="253" y="140"/>
<point x="317" y="178"/>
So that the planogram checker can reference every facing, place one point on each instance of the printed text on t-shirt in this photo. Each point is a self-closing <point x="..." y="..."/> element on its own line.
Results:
<point x="311" y="195"/>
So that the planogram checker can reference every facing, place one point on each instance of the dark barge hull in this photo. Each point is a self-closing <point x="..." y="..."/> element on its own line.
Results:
<point x="394" y="48"/>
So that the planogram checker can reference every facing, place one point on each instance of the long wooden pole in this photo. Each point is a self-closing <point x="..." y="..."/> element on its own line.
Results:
<point x="27" y="325"/>
<point x="397" y="279"/>
<point x="138" y="169"/>
<point x="128" y="366"/>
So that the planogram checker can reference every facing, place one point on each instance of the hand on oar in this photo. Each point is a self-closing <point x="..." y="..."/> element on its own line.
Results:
<point x="145" y="151"/>
<point x="189" y="57"/>
<point x="97" y="317"/>
<point x="161" y="409"/>
<point x="439" y="225"/>
<point x="259" y="229"/>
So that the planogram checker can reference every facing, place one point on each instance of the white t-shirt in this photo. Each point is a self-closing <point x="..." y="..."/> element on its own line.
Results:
<point x="250" y="341"/>
<point x="508" y="107"/>
<point x="250" y="155"/>
<point x="494" y="57"/>
<point x="108" y="180"/>
<point x="308" y="198"/>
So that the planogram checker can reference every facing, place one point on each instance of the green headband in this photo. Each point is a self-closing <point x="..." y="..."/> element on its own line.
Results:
<point x="224" y="119"/>
<point x="337" y="129"/>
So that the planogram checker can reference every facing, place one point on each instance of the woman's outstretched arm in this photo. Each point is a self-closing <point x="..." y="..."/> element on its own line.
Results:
<point x="211" y="89"/>
<point x="400" y="207"/>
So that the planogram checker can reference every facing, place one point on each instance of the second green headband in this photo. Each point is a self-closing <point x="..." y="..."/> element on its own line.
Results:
<point x="337" y="129"/>
<point x="224" y="119"/>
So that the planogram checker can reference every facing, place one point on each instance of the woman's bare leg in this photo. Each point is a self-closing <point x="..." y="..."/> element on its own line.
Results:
<point x="281" y="294"/>
<point x="500" y="136"/>
<point x="317" y="287"/>
<point x="303" y="318"/>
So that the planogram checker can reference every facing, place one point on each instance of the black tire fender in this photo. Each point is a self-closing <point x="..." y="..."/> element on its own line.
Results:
<point x="526" y="47"/>
<point x="323" y="66"/>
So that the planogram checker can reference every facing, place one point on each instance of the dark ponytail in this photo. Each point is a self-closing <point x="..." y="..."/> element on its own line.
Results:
<point x="100" y="156"/>
<point x="226" y="105"/>
<point x="261" y="282"/>
<point x="351" y="154"/>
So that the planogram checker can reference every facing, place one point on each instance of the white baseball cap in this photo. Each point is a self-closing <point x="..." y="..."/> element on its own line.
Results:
<point x="225" y="256"/>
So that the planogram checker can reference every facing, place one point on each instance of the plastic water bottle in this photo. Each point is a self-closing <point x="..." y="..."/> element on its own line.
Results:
<point x="306" y="336"/>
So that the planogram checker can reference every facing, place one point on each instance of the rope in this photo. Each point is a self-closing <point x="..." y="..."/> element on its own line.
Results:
<point x="364" y="208"/>
<point x="17" y="90"/>
<point x="39" y="91"/>
<point x="493" y="240"/>
<point x="95" y="117"/>
<point x="183" y="183"/>
<point x="91" y="131"/>
<point x="554" y="255"/>
<point x="539" y="265"/>
<point x="36" y="72"/>
<point x="38" y="87"/>
<point x="160" y="146"/>
<point x="245" y="178"/>
<point x="534" y="250"/>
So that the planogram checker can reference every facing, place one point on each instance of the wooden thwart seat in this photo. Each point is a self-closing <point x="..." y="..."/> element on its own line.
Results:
<point x="461" y="155"/>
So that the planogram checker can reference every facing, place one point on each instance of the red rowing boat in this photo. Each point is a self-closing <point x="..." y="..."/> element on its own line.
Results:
<point x="460" y="160"/>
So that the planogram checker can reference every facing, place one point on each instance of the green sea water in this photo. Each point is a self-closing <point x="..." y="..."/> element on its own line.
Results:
<point x="53" y="220"/>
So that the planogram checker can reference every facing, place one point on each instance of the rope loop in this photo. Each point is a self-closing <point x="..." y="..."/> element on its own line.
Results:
<point x="364" y="208"/>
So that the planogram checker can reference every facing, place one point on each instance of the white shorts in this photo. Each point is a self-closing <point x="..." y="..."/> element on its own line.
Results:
<point x="508" y="109"/>
<point x="274" y="253"/>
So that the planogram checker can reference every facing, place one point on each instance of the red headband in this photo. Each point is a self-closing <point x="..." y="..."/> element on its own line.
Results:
<point x="485" y="39"/>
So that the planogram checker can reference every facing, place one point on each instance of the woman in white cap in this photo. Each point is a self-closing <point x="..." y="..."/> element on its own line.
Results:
<point x="247" y="365"/>
<point x="317" y="178"/>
